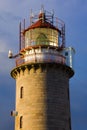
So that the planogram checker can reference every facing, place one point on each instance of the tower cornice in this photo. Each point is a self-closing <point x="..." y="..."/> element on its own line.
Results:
<point x="43" y="68"/>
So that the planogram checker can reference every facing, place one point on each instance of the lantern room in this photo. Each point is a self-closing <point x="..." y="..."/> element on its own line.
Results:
<point x="44" y="29"/>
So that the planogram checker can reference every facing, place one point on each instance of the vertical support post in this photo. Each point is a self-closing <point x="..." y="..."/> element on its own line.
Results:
<point x="52" y="16"/>
<point x="19" y="36"/>
<point x="63" y="36"/>
<point x="24" y="36"/>
<point x="31" y="17"/>
<point x="24" y="24"/>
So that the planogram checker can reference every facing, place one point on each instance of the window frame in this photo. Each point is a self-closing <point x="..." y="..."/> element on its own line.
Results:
<point x="21" y="92"/>
<point x="21" y="121"/>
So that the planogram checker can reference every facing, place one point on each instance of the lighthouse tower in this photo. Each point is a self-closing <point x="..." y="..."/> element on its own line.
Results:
<point x="43" y="68"/>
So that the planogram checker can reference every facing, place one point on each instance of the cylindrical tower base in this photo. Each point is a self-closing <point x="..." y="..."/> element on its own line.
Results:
<point x="42" y="97"/>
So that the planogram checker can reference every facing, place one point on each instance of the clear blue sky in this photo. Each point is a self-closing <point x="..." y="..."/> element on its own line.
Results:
<point x="74" y="14"/>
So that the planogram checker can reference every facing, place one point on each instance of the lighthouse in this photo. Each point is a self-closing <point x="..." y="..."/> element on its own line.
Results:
<point x="42" y="71"/>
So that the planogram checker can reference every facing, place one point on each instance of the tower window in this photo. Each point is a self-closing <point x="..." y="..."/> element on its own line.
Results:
<point x="21" y="121"/>
<point x="21" y="92"/>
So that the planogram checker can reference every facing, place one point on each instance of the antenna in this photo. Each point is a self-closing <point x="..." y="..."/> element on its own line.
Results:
<point x="20" y="36"/>
<point x="31" y="17"/>
<point x="42" y="8"/>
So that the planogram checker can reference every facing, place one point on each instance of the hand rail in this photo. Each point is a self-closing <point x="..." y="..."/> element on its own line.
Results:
<point x="40" y="58"/>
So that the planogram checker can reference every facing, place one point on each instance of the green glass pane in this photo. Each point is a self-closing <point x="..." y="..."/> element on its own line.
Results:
<point x="42" y="39"/>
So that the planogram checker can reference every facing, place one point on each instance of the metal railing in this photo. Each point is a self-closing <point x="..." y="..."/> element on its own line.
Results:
<point x="40" y="58"/>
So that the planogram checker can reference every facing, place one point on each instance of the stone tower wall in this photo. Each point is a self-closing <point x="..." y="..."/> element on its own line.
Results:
<point x="44" y="103"/>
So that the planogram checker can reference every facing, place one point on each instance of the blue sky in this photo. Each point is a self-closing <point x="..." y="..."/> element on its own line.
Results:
<point x="74" y="14"/>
